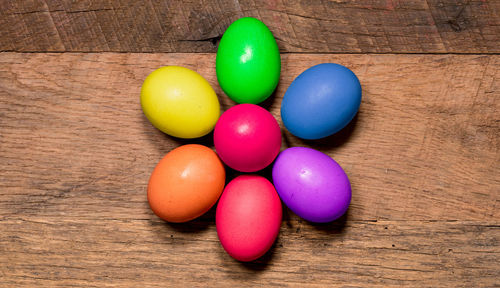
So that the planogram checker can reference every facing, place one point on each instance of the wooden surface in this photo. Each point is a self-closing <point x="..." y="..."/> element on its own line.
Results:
<point x="76" y="153"/>
<point x="363" y="26"/>
<point x="422" y="155"/>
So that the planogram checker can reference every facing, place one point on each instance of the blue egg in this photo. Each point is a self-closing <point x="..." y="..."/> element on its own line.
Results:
<point x="321" y="101"/>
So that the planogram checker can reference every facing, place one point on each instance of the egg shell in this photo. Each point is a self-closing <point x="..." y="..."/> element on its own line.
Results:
<point x="248" y="61"/>
<point x="247" y="137"/>
<point x="248" y="217"/>
<point x="186" y="183"/>
<point x="311" y="184"/>
<point x="179" y="102"/>
<point x="321" y="101"/>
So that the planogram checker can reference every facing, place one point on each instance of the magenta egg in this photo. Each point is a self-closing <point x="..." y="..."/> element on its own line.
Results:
<point x="247" y="138"/>
<point x="311" y="184"/>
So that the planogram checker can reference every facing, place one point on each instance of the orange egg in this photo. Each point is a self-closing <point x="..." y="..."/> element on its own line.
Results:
<point x="186" y="183"/>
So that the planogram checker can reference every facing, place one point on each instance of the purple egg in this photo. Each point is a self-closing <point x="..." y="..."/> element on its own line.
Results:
<point x="311" y="184"/>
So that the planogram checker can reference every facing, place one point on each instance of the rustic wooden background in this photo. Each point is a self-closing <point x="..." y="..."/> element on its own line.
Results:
<point x="423" y="153"/>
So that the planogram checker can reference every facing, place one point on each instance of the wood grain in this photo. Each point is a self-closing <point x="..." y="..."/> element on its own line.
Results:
<point x="366" y="26"/>
<point x="100" y="252"/>
<point x="424" y="145"/>
<point x="76" y="153"/>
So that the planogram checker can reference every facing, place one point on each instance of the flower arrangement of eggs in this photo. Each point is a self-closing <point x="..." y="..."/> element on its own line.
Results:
<point x="190" y="179"/>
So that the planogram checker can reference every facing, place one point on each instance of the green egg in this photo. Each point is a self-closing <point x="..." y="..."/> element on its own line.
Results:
<point x="248" y="61"/>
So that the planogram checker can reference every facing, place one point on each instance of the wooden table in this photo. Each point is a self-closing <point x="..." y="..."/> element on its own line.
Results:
<point x="423" y="154"/>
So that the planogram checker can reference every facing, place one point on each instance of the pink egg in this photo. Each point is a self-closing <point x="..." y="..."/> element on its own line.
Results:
<point x="248" y="217"/>
<point x="247" y="137"/>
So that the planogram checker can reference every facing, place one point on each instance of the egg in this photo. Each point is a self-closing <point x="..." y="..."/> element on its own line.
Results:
<point x="248" y="61"/>
<point x="321" y="101"/>
<point x="247" y="137"/>
<point x="311" y="184"/>
<point x="179" y="102"/>
<point x="186" y="183"/>
<point x="248" y="217"/>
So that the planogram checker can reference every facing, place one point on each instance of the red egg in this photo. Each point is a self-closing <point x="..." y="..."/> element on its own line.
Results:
<point x="248" y="217"/>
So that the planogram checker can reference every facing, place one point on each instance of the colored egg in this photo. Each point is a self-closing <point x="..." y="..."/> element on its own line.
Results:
<point x="321" y="101"/>
<point x="186" y="183"/>
<point x="248" y="217"/>
<point x="311" y="184"/>
<point x="248" y="61"/>
<point x="179" y="102"/>
<point x="247" y="137"/>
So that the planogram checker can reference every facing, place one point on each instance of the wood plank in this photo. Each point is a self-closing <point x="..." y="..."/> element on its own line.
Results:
<point x="76" y="153"/>
<point x="95" y="251"/>
<point x="366" y="26"/>
<point x="424" y="146"/>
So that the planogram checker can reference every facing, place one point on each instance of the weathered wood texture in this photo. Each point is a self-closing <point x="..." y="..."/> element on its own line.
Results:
<point x="76" y="153"/>
<point x="425" y="144"/>
<point x="381" y="26"/>
<point x="101" y="251"/>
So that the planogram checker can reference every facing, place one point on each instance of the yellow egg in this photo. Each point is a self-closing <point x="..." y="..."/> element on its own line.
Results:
<point x="179" y="102"/>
